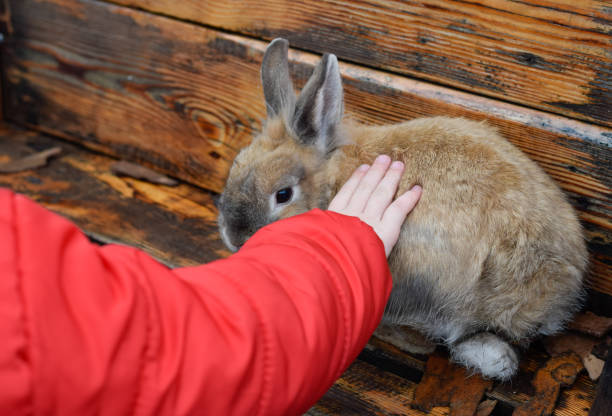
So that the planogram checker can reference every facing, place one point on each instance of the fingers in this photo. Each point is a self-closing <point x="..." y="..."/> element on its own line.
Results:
<point x="368" y="195"/>
<point x="369" y="182"/>
<point x="397" y="212"/>
<point x="394" y="217"/>
<point x="345" y="193"/>
<point x="385" y="191"/>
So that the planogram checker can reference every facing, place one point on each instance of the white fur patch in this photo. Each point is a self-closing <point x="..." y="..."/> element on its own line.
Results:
<point x="223" y="232"/>
<point x="487" y="354"/>
<point x="551" y="327"/>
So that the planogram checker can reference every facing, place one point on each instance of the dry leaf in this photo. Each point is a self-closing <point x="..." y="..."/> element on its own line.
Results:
<point x="485" y="407"/>
<point x="30" y="162"/>
<point x="448" y="384"/>
<point x="140" y="172"/>
<point x="581" y="345"/>
<point x="557" y="372"/>
<point x="593" y="365"/>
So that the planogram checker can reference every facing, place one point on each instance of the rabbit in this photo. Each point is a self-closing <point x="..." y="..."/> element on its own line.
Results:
<point x="492" y="256"/>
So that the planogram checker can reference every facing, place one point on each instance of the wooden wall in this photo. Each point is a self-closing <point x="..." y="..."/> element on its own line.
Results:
<point x="175" y="84"/>
<point x="551" y="55"/>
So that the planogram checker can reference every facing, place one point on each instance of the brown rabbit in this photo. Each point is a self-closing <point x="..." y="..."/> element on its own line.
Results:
<point x="493" y="253"/>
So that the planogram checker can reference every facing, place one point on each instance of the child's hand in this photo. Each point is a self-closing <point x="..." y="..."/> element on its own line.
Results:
<point x="368" y="195"/>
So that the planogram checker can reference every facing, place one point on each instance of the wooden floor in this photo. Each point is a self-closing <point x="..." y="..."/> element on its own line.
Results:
<point x="177" y="225"/>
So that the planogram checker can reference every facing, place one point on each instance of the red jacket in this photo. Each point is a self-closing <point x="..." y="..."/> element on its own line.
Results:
<point x="110" y="331"/>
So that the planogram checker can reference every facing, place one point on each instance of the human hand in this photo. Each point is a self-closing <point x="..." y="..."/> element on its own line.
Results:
<point x="368" y="195"/>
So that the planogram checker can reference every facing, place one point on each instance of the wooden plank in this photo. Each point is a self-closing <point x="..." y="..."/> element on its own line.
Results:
<point x="365" y="389"/>
<point x="176" y="225"/>
<point x="184" y="99"/>
<point x="406" y="365"/>
<point x="599" y="303"/>
<point x="549" y="55"/>
<point x="577" y="399"/>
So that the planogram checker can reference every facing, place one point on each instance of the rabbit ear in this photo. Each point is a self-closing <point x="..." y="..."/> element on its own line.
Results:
<point x="277" y="86"/>
<point x="319" y="107"/>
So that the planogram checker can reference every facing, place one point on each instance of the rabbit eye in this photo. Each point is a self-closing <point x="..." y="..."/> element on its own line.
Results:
<point x="284" y="195"/>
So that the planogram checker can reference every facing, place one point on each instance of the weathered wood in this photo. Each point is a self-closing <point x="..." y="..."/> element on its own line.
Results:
<point x="591" y="324"/>
<point x="599" y="303"/>
<point x="485" y="408"/>
<point x="406" y="365"/>
<point x="176" y="225"/>
<point x="577" y="399"/>
<point x="550" y="55"/>
<point x="366" y="390"/>
<point x="184" y="99"/>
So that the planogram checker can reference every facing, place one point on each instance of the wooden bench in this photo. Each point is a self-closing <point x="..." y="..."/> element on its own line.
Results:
<point x="174" y="86"/>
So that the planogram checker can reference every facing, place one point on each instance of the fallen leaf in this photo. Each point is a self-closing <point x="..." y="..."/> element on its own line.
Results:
<point x="485" y="407"/>
<point x="557" y="372"/>
<point x="593" y="365"/>
<point x="448" y="384"/>
<point x="583" y="345"/>
<point x="591" y="324"/>
<point x="33" y="161"/>
<point x="140" y="172"/>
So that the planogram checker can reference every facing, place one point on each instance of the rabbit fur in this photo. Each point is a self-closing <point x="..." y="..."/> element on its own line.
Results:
<point x="493" y="254"/>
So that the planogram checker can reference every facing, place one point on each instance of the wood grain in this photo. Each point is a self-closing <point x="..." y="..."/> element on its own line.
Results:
<point x="365" y="389"/>
<point x="549" y="55"/>
<point x="184" y="99"/>
<point x="176" y="225"/>
<point x="577" y="399"/>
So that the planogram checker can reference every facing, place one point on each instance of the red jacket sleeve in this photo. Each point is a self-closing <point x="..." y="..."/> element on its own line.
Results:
<point x="108" y="330"/>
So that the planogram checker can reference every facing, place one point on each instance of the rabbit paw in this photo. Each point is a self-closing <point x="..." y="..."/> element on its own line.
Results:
<point x="487" y="354"/>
